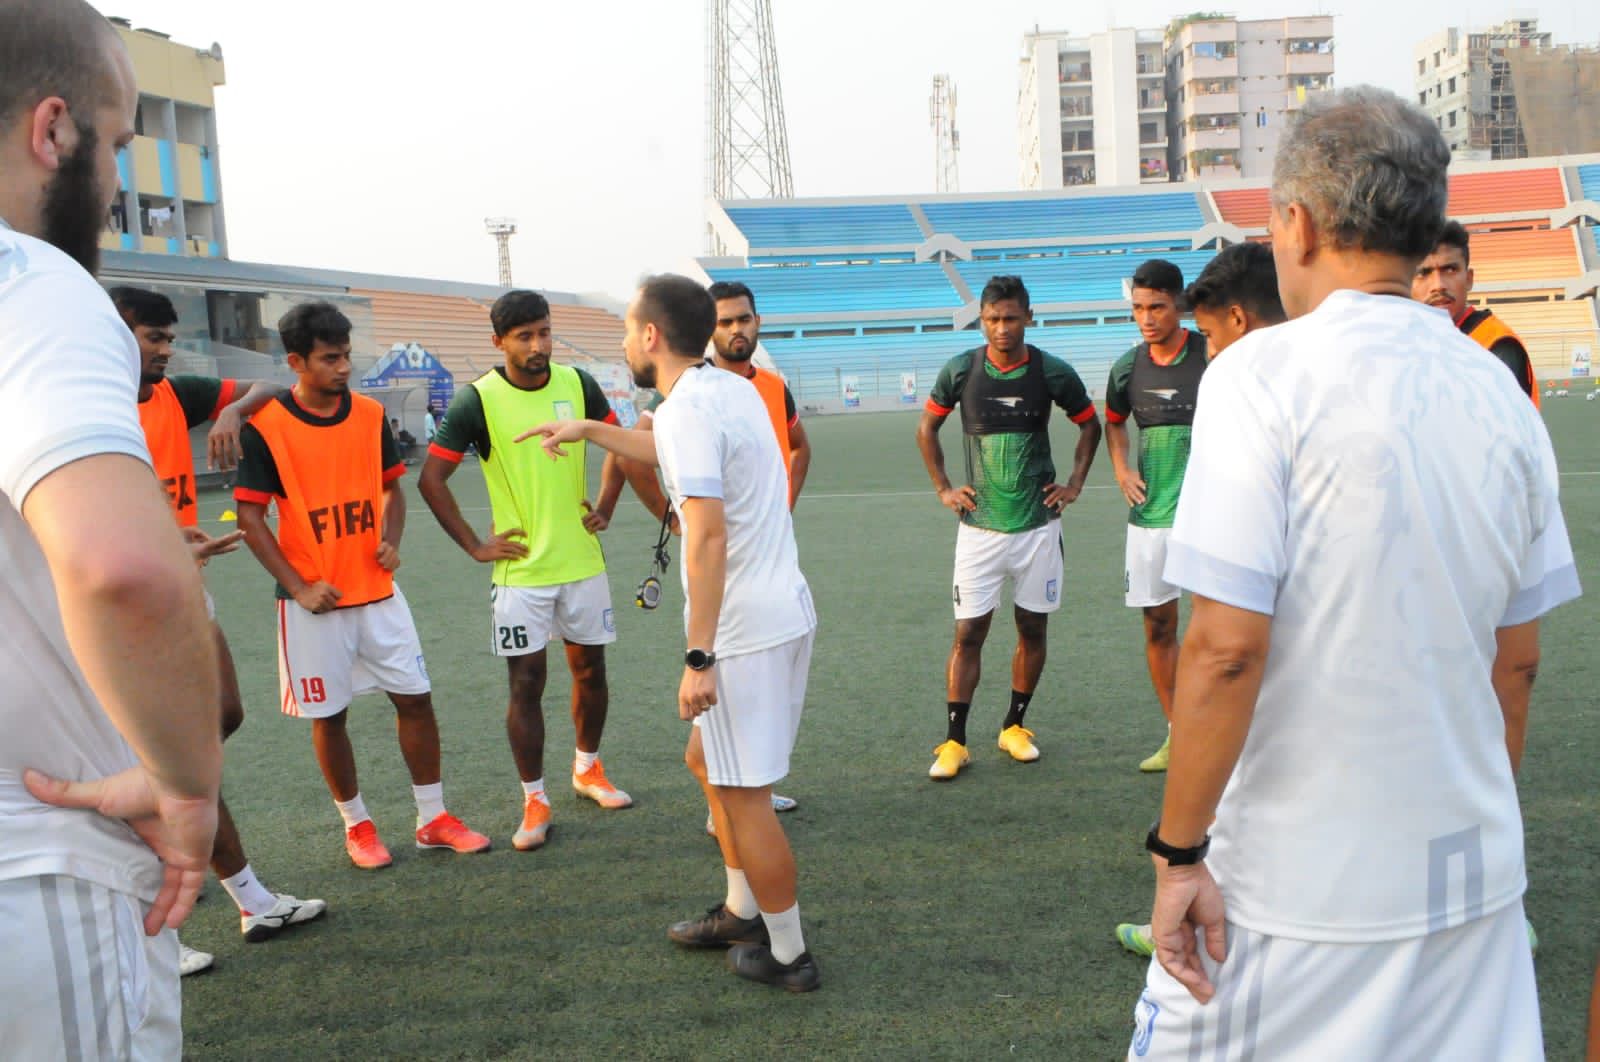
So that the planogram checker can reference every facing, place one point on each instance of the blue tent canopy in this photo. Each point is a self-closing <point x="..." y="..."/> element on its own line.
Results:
<point x="410" y="363"/>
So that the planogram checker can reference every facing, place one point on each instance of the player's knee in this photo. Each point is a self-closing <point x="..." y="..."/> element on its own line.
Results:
<point x="418" y="706"/>
<point x="1161" y="625"/>
<point x="1031" y="627"/>
<point x="589" y="668"/>
<point x="970" y="634"/>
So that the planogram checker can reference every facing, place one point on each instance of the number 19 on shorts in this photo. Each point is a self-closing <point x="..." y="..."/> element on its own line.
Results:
<point x="313" y="691"/>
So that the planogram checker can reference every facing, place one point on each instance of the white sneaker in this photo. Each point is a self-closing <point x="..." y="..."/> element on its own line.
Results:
<point x="287" y="912"/>
<point x="191" y="961"/>
<point x="780" y="804"/>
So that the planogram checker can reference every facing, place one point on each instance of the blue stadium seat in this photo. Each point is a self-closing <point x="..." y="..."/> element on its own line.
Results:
<point x="1078" y="277"/>
<point x="814" y="365"/>
<point x="1016" y="219"/>
<point x="846" y="288"/>
<point x="1589" y="181"/>
<point x="827" y="226"/>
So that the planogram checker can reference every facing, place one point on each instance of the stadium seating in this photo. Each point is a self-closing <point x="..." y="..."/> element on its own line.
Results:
<point x="1245" y="207"/>
<point x="1550" y="330"/>
<point x="805" y="289"/>
<point x="1075" y="250"/>
<point x="455" y="329"/>
<point x="978" y="221"/>
<point x="1589" y="182"/>
<point x="1505" y="192"/>
<point x="1078" y="278"/>
<point x="1532" y="255"/>
<point x="826" y="226"/>
<point x="814" y="365"/>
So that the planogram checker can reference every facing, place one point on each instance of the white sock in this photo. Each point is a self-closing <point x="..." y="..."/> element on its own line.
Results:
<point x="430" y="802"/>
<point x="741" y="901"/>
<point x="352" y="811"/>
<point x="582" y="761"/>
<point x="784" y="929"/>
<point x="249" y="895"/>
<point x="536" y="788"/>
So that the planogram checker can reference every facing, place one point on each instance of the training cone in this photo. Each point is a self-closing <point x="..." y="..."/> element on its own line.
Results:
<point x="228" y="516"/>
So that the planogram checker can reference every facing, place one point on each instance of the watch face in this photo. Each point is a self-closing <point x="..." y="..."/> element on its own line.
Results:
<point x="697" y="659"/>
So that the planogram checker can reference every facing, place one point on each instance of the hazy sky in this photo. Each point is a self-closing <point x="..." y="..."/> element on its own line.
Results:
<point x="376" y="136"/>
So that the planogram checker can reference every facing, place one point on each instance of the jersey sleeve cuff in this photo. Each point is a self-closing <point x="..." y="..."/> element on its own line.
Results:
<point x="1083" y="416"/>
<point x="1556" y="588"/>
<point x="257" y="497"/>
<point x="435" y="450"/>
<point x="611" y="418"/>
<point x="1220" y="580"/>
<point x="225" y="396"/>
<point x="1113" y="417"/>
<point x="392" y="473"/>
<point x="701" y="487"/>
<point x="937" y="410"/>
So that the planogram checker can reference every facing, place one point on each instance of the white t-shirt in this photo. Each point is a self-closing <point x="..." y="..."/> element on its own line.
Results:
<point x="1376" y="483"/>
<point x="69" y="377"/>
<point x="714" y="440"/>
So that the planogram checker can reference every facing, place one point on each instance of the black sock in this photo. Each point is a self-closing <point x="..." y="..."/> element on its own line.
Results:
<point x="958" y="722"/>
<point x="1019" y="708"/>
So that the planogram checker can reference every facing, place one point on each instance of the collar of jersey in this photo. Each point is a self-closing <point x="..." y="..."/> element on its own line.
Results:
<point x="1183" y="349"/>
<point x="988" y="356"/>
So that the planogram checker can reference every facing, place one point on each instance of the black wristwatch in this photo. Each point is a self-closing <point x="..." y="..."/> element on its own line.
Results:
<point x="1175" y="857"/>
<point x="699" y="659"/>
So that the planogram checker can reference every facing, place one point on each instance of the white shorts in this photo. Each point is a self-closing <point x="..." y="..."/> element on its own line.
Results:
<point x="985" y="559"/>
<point x="749" y="734"/>
<point x="325" y="659"/>
<point x="1464" y="993"/>
<point x="1144" y="581"/>
<point x="526" y="617"/>
<point x="80" y="978"/>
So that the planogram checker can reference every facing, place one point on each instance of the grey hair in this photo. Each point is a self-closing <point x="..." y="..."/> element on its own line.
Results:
<point x="1370" y="168"/>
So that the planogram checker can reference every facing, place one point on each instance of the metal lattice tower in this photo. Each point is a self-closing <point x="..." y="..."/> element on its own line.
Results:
<point x="502" y="229"/>
<point x="747" y="143"/>
<point x="946" y="140"/>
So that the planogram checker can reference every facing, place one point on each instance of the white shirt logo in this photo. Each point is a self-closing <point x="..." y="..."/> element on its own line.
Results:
<point x="1013" y="401"/>
<point x="1166" y="394"/>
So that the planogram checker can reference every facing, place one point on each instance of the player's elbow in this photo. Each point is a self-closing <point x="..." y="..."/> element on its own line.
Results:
<point x="144" y="581"/>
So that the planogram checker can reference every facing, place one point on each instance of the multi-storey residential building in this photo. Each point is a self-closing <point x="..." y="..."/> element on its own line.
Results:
<point x="1231" y="86"/>
<point x="1509" y="91"/>
<point x="171" y="198"/>
<point x="1092" y="109"/>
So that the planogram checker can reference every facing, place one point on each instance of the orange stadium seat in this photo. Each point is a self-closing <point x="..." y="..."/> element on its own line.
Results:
<point x="1244" y="207"/>
<point x="1539" y="254"/>
<point x="1505" y="192"/>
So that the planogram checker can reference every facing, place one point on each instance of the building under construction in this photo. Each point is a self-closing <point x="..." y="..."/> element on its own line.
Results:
<point x="1509" y="91"/>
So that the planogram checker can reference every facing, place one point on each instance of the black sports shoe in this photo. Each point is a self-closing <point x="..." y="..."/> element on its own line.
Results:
<point x="718" y="928"/>
<point x="755" y="961"/>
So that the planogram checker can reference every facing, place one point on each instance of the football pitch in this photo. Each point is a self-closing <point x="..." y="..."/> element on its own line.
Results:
<point x="963" y="920"/>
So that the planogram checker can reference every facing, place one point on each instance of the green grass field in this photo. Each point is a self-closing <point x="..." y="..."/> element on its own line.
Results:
<point x="951" y="921"/>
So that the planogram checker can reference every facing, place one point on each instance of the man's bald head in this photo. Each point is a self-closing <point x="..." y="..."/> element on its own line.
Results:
<point x="54" y="48"/>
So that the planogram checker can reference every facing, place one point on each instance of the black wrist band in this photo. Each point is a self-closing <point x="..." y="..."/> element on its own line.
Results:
<point x="1175" y="857"/>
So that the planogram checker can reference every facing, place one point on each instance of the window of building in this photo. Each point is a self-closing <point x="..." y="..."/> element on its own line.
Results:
<point x="1451" y="86"/>
<point x="1422" y="67"/>
<point x="1422" y="99"/>
<point x="1452" y="119"/>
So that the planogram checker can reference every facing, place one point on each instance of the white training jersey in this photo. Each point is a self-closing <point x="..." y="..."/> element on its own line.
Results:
<point x="69" y="376"/>
<point x="1375" y="482"/>
<point x="714" y="440"/>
